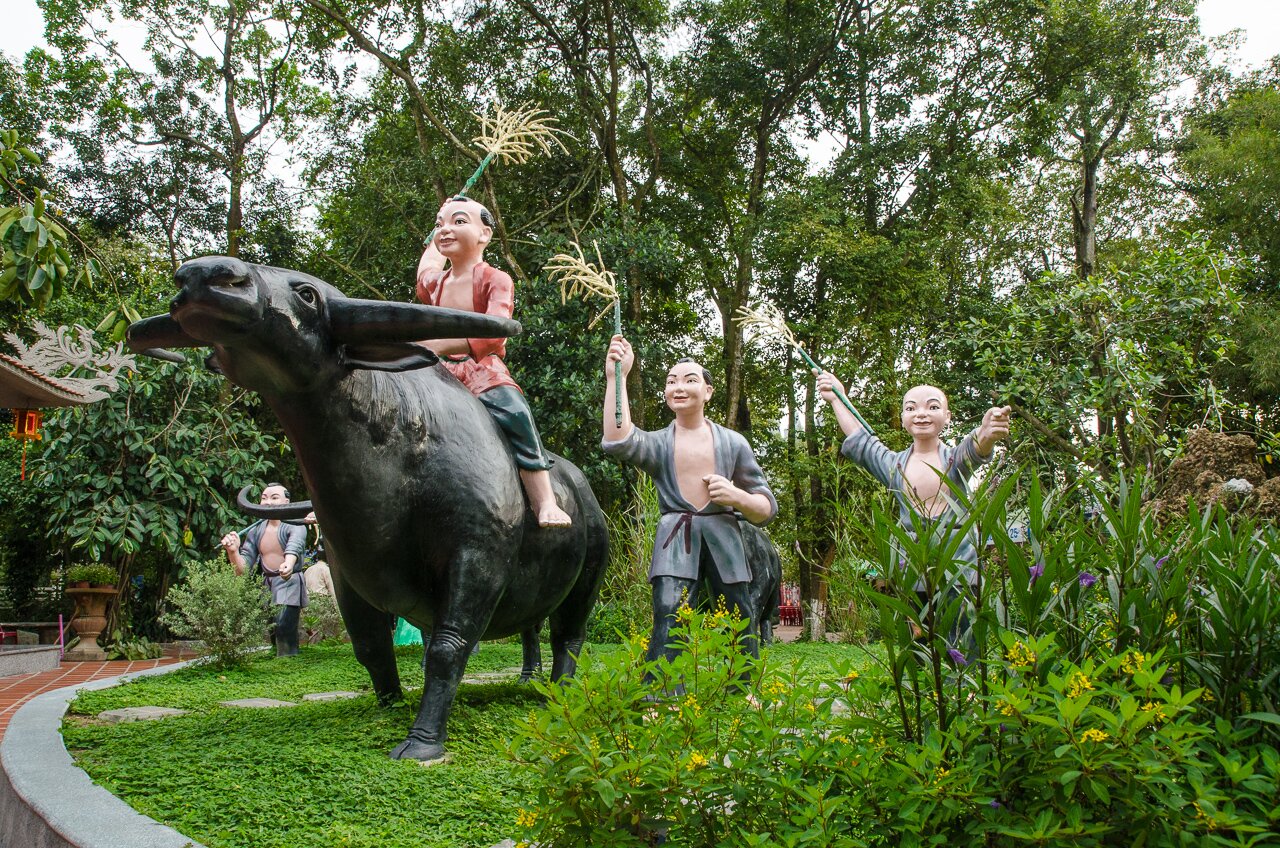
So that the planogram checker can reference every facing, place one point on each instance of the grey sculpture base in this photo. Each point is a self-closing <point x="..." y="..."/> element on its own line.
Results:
<point x="47" y="802"/>
<point x="28" y="659"/>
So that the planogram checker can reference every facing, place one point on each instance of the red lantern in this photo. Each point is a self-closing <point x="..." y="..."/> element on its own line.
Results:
<point x="26" y="426"/>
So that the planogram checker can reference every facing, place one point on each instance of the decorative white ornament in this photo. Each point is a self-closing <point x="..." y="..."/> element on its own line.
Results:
<point x="74" y="349"/>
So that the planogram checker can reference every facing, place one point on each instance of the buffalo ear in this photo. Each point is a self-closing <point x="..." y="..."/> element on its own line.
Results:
<point x="390" y="356"/>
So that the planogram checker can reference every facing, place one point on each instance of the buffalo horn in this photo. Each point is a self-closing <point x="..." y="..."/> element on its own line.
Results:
<point x="278" y="512"/>
<point x="370" y="321"/>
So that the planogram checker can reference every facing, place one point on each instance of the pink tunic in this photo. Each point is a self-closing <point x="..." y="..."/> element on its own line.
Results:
<point x="493" y="293"/>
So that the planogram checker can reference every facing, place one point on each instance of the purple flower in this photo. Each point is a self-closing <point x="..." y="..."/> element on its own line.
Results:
<point x="1161" y="562"/>
<point x="1036" y="571"/>
<point x="957" y="657"/>
<point x="1087" y="580"/>
<point x="995" y="805"/>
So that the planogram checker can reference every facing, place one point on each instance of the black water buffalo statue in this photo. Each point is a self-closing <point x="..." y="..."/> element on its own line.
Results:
<point x="415" y="486"/>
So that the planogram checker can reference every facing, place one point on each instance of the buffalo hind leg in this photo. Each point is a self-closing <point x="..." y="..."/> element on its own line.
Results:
<point x="370" y="631"/>
<point x="568" y="632"/>
<point x="447" y="655"/>
<point x="532" y="650"/>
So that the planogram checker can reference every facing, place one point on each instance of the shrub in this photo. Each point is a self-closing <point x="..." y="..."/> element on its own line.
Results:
<point x="321" y="620"/>
<point x="609" y="623"/>
<point x="94" y="574"/>
<point x="226" y="611"/>
<point x="1102" y="753"/>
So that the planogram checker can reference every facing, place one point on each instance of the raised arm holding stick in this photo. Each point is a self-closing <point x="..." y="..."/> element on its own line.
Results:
<point x="768" y="320"/>
<point x="579" y="278"/>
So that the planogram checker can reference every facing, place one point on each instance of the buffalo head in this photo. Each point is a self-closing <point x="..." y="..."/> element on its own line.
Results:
<point x="272" y="329"/>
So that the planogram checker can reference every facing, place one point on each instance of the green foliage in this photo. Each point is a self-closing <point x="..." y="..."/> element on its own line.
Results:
<point x="95" y="574"/>
<point x="1135" y="346"/>
<point x="37" y="263"/>
<point x="151" y="468"/>
<point x="123" y="646"/>
<point x="225" y="611"/>
<point x="713" y="748"/>
<point x="625" y="606"/>
<point x="320" y="620"/>
<point x="1100" y="753"/>
<point x="26" y="557"/>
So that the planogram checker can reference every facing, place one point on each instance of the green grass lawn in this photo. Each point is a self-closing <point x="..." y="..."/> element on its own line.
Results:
<point x="318" y="774"/>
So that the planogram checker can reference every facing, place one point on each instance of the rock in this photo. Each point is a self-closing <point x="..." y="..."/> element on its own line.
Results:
<point x="330" y="696"/>
<point x="1237" y="486"/>
<point x="257" y="703"/>
<point x="125" y="714"/>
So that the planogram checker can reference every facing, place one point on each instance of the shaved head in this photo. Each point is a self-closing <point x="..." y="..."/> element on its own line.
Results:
<point x="923" y="393"/>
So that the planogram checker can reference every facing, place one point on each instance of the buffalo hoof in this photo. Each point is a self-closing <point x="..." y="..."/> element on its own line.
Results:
<point x="425" y="752"/>
<point x="390" y="699"/>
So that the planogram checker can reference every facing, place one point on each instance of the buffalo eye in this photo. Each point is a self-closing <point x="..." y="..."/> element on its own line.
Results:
<point x="307" y="294"/>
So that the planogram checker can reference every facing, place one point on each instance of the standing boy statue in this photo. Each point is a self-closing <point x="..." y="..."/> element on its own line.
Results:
<point x="705" y="474"/>
<point x="463" y="229"/>
<point x="915" y="475"/>
<point x="275" y="549"/>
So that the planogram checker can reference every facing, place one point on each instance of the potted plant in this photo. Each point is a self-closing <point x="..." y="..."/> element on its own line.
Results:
<point x="96" y="574"/>
<point x="92" y="587"/>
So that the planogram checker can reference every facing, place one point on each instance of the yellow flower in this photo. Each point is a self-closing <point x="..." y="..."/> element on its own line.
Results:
<point x="1077" y="684"/>
<point x="526" y="818"/>
<point x="939" y="773"/>
<point x="851" y="676"/>
<point x="1171" y="619"/>
<point x="1094" y="735"/>
<point x="697" y="760"/>
<point x="1006" y="708"/>
<point x="1020" y="656"/>
<point x="1155" y="709"/>
<point x="691" y="704"/>
<point x="1133" y="662"/>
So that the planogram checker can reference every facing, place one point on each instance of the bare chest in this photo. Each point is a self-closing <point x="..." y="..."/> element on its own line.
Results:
<point x="694" y="459"/>
<point x="924" y="482"/>
<point x="457" y="294"/>
<point x="269" y="548"/>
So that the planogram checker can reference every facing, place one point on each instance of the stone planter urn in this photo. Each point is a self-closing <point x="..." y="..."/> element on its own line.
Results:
<point x="88" y="621"/>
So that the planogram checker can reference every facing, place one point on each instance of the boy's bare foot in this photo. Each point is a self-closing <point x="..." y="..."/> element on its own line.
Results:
<point x="537" y="484"/>
<point x="552" y="515"/>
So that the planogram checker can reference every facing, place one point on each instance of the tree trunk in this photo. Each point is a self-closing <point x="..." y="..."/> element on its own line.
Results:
<point x="235" y="214"/>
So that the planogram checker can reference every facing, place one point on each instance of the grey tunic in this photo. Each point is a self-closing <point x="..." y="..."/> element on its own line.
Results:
<point x="291" y="591"/>
<point x="890" y="469"/>
<point x="683" y="529"/>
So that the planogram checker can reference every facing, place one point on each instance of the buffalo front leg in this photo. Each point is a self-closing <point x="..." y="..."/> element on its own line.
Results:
<point x="446" y="655"/>
<point x="370" y="631"/>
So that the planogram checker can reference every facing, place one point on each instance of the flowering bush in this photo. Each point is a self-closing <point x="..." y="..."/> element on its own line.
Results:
<point x="1095" y="754"/>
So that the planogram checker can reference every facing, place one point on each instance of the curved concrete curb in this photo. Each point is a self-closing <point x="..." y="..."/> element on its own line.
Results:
<point x="46" y="801"/>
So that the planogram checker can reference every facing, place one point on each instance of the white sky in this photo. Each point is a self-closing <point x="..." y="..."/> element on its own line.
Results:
<point x="1260" y="20"/>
